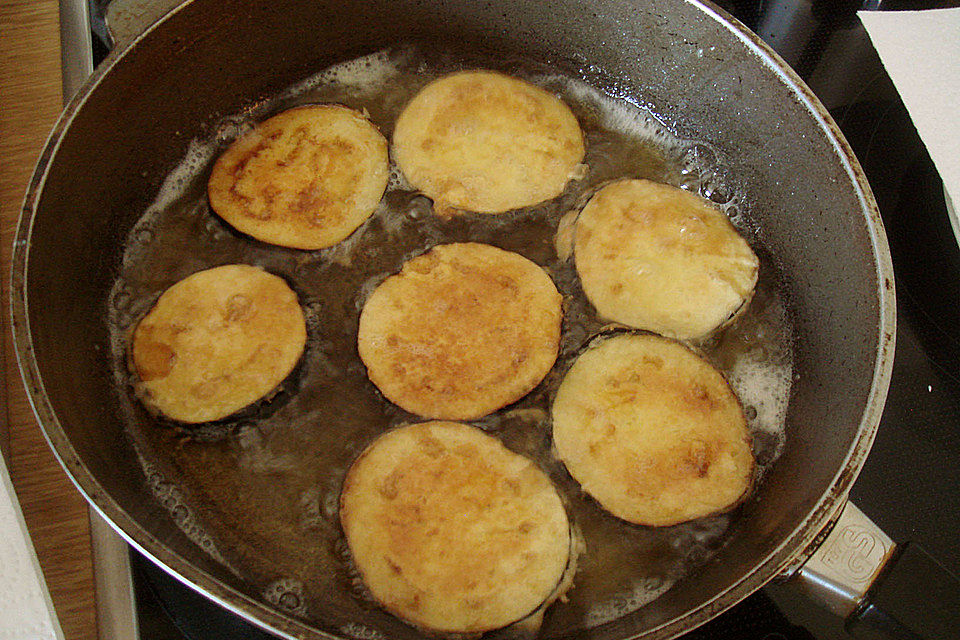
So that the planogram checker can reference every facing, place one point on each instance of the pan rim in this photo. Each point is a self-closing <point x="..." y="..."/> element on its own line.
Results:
<point x="785" y="558"/>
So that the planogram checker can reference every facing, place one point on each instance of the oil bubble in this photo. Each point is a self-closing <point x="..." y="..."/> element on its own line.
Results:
<point x="286" y="594"/>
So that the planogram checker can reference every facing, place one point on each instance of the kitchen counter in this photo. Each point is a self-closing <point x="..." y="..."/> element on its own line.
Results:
<point x="55" y="512"/>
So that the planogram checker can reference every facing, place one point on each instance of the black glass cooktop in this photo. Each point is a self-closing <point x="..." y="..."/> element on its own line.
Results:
<point x="910" y="485"/>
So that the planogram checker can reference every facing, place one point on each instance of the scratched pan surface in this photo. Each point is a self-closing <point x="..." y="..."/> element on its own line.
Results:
<point x="239" y="510"/>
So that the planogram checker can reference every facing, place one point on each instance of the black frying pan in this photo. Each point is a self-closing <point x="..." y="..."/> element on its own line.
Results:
<point x="705" y="77"/>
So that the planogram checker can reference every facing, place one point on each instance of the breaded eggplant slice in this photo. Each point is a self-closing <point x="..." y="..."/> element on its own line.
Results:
<point x="305" y="178"/>
<point x="217" y="341"/>
<point x="461" y="331"/>
<point x="451" y="531"/>
<point x="485" y="142"/>
<point x="652" y="431"/>
<point x="655" y="257"/>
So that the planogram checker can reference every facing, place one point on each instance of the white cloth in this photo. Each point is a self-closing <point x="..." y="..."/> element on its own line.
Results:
<point x="921" y="52"/>
<point x="26" y="612"/>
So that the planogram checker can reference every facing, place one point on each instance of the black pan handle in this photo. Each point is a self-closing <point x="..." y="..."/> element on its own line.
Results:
<point x="884" y="591"/>
<point x="913" y="597"/>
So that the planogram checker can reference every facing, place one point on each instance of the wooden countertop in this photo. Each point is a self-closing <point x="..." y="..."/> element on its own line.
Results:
<point x="55" y="512"/>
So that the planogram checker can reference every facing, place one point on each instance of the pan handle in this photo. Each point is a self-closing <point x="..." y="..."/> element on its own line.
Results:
<point x="884" y="591"/>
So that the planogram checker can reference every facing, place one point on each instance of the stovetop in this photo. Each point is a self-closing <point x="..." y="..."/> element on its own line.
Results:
<point x="910" y="484"/>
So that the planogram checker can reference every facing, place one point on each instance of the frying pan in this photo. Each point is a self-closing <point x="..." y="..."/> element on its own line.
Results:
<point x="705" y="76"/>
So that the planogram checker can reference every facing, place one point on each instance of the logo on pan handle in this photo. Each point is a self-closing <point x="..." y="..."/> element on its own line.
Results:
<point x="855" y="552"/>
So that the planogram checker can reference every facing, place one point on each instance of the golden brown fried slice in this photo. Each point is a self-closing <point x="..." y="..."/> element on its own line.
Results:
<point x="306" y="178"/>
<point x="217" y="341"/>
<point x="451" y="531"/>
<point x="652" y="431"/>
<point x="486" y="142"/>
<point x="655" y="257"/>
<point x="461" y="331"/>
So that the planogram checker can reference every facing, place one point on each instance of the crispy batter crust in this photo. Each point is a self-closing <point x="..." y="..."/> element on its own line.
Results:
<point x="451" y="531"/>
<point x="306" y="178"/>
<point x="652" y="431"/>
<point x="216" y="342"/>
<point x="655" y="257"/>
<point x="486" y="142"/>
<point x="461" y="331"/>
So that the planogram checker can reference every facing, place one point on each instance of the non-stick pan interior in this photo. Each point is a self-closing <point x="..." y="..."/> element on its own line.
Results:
<point x="704" y="81"/>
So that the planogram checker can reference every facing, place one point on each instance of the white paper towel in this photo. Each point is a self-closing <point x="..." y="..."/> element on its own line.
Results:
<point x="26" y="612"/>
<point x="921" y="52"/>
